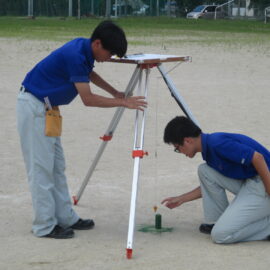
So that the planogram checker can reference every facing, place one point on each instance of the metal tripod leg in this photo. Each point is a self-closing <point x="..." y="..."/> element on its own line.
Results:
<point x="138" y="153"/>
<point x="109" y="133"/>
<point x="180" y="101"/>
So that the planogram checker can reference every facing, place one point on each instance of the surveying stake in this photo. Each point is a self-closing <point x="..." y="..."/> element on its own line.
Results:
<point x="144" y="62"/>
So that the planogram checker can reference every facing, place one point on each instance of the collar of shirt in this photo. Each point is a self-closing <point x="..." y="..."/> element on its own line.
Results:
<point x="89" y="53"/>
<point x="204" y="145"/>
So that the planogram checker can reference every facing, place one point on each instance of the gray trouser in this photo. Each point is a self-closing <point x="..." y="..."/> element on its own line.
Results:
<point x="246" y="218"/>
<point x="45" y="165"/>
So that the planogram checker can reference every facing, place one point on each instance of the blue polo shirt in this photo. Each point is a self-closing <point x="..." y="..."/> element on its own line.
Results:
<point x="231" y="154"/>
<point x="55" y="75"/>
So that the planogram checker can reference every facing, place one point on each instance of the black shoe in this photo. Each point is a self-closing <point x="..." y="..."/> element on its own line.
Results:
<point x="83" y="224"/>
<point x="206" y="228"/>
<point x="60" y="233"/>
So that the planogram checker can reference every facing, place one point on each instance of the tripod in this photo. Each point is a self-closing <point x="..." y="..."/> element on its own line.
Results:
<point x="144" y="62"/>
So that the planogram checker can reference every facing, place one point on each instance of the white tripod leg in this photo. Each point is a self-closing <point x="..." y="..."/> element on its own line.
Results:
<point x="108" y="134"/>
<point x="180" y="101"/>
<point x="138" y="153"/>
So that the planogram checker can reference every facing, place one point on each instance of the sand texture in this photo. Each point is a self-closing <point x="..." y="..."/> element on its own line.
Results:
<point x="226" y="88"/>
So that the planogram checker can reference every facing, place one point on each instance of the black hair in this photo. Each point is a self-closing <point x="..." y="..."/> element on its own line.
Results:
<point x="112" y="37"/>
<point x="179" y="128"/>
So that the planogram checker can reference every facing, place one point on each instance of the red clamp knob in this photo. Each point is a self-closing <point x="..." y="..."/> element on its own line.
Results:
<point x="75" y="200"/>
<point x="106" y="138"/>
<point x="139" y="153"/>
<point x="129" y="253"/>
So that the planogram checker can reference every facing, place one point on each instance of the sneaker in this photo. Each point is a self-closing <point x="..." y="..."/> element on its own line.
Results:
<point x="206" y="228"/>
<point x="83" y="224"/>
<point x="60" y="233"/>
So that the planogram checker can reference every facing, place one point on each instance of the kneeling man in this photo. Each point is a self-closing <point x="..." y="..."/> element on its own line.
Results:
<point x="233" y="162"/>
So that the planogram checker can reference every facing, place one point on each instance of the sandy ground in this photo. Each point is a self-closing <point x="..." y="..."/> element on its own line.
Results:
<point x="226" y="88"/>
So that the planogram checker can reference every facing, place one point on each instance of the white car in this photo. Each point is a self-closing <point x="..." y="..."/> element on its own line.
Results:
<point x="206" y="12"/>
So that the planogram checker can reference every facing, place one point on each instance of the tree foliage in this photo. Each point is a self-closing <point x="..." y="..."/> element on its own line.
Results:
<point x="49" y="7"/>
<point x="260" y="3"/>
<point x="14" y="7"/>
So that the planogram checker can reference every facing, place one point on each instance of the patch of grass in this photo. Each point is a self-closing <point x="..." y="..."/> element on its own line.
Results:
<point x="141" y="30"/>
<point x="229" y="26"/>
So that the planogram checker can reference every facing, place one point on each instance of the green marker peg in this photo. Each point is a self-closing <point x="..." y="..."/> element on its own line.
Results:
<point x="158" y="221"/>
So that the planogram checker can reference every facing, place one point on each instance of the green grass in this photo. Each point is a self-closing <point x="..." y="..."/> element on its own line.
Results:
<point x="141" y="31"/>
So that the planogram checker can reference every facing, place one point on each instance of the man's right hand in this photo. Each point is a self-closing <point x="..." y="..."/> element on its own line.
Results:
<point x="173" y="202"/>
<point x="137" y="103"/>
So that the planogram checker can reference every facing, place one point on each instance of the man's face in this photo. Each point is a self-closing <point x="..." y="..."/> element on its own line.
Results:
<point x="99" y="52"/>
<point x="188" y="148"/>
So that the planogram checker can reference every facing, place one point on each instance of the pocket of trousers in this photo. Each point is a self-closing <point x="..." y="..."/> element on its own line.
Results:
<point x="53" y="124"/>
<point x="256" y="186"/>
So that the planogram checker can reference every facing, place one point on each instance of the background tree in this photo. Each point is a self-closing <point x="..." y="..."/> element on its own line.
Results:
<point x="259" y="3"/>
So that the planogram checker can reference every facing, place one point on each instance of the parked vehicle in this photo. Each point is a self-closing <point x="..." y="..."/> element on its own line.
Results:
<point x="205" y="12"/>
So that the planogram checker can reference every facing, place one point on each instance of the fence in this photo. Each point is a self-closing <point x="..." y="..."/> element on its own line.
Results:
<point x="51" y="7"/>
<point x="87" y="8"/>
<point x="175" y="8"/>
<point x="266" y="14"/>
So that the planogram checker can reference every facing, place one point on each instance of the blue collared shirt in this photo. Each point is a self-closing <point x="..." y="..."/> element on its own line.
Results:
<point x="231" y="154"/>
<point x="55" y="75"/>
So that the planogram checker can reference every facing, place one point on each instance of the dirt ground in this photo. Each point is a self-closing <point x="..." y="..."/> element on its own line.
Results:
<point x="226" y="88"/>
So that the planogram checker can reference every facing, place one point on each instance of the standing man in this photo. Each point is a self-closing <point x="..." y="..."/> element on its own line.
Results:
<point x="58" y="79"/>
<point x="234" y="162"/>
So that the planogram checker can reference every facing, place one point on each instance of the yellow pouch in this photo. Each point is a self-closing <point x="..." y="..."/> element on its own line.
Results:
<point x="53" y="125"/>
